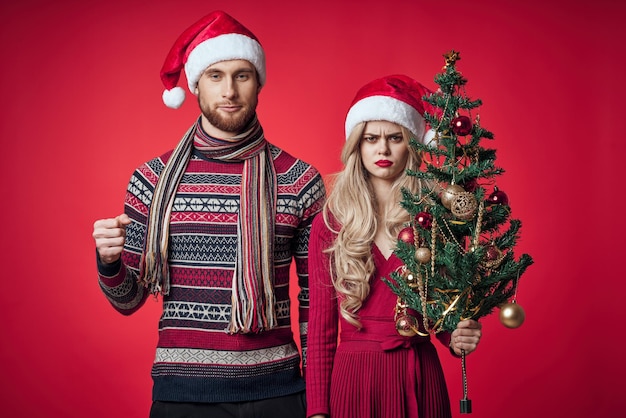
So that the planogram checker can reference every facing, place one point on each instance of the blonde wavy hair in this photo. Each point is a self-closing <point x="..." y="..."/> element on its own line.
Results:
<point x="351" y="212"/>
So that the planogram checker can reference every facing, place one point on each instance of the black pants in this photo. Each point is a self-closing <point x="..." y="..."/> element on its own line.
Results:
<point x="292" y="406"/>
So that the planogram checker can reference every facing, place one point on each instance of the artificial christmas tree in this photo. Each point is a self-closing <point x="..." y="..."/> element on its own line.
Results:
<point x="458" y="253"/>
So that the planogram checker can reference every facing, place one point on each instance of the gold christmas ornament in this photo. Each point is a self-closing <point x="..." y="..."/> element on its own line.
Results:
<point x="512" y="315"/>
<point x="449" y="194"/>
<point x="464" y="205"/>
<point x="406" y="325"/>
<point x="422" y="255"/>
<point x="409" y="278"/>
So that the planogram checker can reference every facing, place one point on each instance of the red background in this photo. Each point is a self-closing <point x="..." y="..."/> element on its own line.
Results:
<point x="81" y="108"/>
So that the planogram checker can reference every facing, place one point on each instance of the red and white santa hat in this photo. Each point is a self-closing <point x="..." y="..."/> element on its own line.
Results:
<point x="394" y="98"/>
<point x="214" y="38"/>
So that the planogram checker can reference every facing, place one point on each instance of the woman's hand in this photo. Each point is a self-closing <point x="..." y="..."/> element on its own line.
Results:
<point x="466" y="336"/>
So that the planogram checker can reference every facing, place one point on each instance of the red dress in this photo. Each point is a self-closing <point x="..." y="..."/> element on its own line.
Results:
<point x="373" y="372"/>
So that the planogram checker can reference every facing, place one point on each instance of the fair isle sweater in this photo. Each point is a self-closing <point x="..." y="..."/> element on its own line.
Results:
<point x="196" y="359"/>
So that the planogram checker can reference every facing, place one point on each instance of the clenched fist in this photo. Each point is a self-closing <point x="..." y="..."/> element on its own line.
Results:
<point x="110" y="235"/>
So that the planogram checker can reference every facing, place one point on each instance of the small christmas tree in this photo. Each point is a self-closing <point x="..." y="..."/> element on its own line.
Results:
<point x="458" y="251"/>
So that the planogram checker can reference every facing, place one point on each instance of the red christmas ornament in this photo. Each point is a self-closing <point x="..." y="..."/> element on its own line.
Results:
<point x="493" y="257"/>
<point x="470" y="185"/>
<point x="407" y="235"/>
<point x="498" y="197"/>
<point x="424" y="219"/>
<point x="461" y="125"/>
<point x="492" y="253"/>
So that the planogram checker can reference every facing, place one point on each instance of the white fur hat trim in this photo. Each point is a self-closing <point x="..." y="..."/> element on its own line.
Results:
<point x="377" y="108"/>
<point x="231" y="46"/>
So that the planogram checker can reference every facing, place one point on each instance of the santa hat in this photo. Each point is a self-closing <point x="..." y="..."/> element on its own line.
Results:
<point x="394" y="98"/>
<point x="214" y="38"/>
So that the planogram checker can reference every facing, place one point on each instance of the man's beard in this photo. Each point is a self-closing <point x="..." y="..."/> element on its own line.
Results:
<point x="236" y="123"/>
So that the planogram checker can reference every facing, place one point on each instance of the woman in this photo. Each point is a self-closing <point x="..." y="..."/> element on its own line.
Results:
<point x="373" y="372"/>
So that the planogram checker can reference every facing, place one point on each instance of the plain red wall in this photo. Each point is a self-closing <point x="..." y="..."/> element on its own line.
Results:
<point x="81" y="108"/>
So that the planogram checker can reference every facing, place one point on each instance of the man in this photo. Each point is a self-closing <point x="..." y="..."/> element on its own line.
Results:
<point x="212" y="227"/>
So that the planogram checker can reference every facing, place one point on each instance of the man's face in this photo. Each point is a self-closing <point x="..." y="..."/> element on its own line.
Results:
<point x="228" y="96"/>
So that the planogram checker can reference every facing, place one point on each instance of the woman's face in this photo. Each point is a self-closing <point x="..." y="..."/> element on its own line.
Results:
<point x="384" y="151"/>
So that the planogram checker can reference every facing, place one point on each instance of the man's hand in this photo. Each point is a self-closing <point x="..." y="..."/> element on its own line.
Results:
<point x="110" y="235"/>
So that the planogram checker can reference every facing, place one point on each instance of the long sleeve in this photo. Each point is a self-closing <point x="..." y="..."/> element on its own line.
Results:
<point x="323" y="321"/>
<point x="118" y="281"/>
<point x="311" y="203"/>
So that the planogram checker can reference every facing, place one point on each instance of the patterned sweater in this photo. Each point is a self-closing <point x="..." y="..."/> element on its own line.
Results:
<point x="196" y="359"/>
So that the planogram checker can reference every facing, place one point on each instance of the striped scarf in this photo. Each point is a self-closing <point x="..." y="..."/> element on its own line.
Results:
<point x="253" y="298"/>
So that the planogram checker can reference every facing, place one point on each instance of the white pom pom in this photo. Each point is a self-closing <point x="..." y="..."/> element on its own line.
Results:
<point x="429" y="138"/>
<point x="174" y="98"/>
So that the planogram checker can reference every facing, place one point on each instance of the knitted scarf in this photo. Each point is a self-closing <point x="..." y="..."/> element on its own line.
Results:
<point x="253" y="298"/>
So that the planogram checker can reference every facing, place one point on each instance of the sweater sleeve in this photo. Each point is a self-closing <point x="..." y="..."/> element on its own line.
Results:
<point x="118" y="281"/>
<point x="311" y="203"/>
<point x="323" y="321"/>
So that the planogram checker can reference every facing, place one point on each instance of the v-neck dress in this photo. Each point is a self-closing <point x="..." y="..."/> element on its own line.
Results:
<point x="372" y="372"/>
